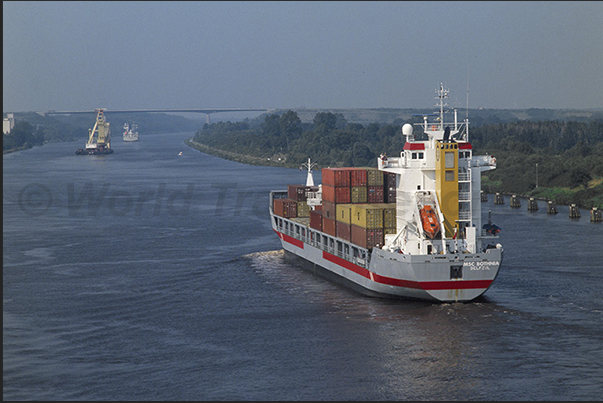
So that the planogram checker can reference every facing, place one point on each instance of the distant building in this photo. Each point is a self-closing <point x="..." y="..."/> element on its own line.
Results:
<point x="8" y="123"/>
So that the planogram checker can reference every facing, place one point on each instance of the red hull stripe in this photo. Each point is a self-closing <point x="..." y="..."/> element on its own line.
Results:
<point x="414" y="146"/>
<point x="291" y="240"/>
<point x="425" y="285"/>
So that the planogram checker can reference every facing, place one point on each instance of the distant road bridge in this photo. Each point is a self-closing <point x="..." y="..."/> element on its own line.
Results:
<point x="207" y="111"/>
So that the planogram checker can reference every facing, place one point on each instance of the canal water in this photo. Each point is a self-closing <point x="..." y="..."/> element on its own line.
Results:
<point x="150" y="275"/>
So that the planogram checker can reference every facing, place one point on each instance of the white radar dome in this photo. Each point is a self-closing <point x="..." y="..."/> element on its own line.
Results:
<point x="407" y="129"/>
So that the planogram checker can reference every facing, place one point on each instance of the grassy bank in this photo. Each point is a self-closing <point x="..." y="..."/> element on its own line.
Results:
<point x="272" y="161"/>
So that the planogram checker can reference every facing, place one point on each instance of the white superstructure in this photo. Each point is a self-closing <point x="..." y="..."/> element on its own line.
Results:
<point x="457" y="262"/>
<point x="130" y="132"/>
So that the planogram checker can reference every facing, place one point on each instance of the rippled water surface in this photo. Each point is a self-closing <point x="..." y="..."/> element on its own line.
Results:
<point x="145" y="275"/>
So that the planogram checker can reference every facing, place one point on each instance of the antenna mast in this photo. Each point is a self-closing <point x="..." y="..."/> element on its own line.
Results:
<point x="309" y="165"/>
<point x="442" y="94"/>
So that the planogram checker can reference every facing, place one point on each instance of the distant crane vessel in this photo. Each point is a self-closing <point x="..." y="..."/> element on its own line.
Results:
<point x="99" y="137"/>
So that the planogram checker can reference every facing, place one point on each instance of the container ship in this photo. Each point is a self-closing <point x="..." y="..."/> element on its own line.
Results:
<point x="409" y="228"/>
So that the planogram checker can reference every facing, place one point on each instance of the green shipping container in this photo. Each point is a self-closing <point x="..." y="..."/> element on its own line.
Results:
<point x="389" y="231"/>
<point x="389" y="215"/>
<point x="302" y="209"/>
<point x="359" y="194"/>
<point x="374" y="177"/>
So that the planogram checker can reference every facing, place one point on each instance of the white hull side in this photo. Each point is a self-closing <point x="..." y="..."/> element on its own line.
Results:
<point x="391" y="274"/>
<point x="130" y="138"/>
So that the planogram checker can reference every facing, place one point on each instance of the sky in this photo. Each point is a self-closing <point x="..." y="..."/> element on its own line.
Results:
<point x="117" y="55"/>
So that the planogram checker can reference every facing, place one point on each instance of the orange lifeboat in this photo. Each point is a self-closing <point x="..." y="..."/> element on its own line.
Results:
<point x="430" y="222"/>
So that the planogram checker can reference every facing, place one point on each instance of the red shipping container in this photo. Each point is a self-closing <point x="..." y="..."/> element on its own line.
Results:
<point x="328" y="226"/>
<point x="285" y="208"/>
<point x="335" y="177"/>
<point x="358" y="177"/>
<point x="329" y="209"/>
<point x="336" y="194"/>
<point x="375" y="194"/>
<point x="343" y="230"/>
<point x="367" y="237"/>
<point x="316" y="219"/>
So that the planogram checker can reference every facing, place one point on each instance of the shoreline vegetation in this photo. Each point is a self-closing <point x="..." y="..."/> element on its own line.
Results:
<point x="547" y="193"/>
<point x="559" y="160"/>
<point x="548" y="160"/>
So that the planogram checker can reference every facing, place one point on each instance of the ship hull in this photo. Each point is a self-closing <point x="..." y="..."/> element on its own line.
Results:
<point x="130" y="138"/>
<point x="458" y="277"/>
<point x="94" y="151"/>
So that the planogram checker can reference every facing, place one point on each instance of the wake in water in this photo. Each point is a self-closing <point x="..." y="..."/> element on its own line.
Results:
<point x="271" y="265"/>
<point x="340" y="300"/>
<point x="261" y="255"/>
<point x="275" y="269"/>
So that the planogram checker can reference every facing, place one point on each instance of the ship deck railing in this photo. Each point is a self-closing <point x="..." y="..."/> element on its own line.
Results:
<point x="336" y="246"/>
<point x="464" y="196"/>
<point x="481" y="160"/>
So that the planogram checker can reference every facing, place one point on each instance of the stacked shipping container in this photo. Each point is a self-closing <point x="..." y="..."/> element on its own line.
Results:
<point x="389" y="187"/>
<point x="354" y="205"/>
<point x="358" y="205"/>
<point x="295" y="205"/>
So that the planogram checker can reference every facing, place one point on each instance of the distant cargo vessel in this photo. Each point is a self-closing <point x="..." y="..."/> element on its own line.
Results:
<point x="130" y="132"/>
<point x="99" y="137"/>
<point x="410" y="228"/>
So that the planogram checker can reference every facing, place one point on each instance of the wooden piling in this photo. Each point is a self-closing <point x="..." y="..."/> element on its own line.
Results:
<point x="574" y="212"/>
<point x="595" y="215"/>
<point x="515" y="203"/>
<point x="552" y="208"/>
<point x="499" y="199"/>
<point x="532" y="204"/>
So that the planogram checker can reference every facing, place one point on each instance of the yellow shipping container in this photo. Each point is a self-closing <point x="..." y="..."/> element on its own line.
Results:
<point x="343" y="213"/>
<point x="368" y="215"/>
<point x="302" y="209"/>
<point x="359" y="194"/>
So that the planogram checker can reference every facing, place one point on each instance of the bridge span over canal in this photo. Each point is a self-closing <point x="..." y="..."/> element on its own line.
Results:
<point x="207" y="111"/>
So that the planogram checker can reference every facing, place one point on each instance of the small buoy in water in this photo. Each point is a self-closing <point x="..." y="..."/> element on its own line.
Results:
<point x="180" y="153"/>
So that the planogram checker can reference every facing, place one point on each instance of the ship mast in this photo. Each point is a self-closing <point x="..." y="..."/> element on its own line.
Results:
<point x="442" y="95"/>
<point x="309" y="165"/>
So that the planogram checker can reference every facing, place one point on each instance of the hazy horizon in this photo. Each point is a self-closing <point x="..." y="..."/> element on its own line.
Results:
<point x="317" y="55"/>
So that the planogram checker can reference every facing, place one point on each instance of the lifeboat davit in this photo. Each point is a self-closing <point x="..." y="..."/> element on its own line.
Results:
<point x="431" y="226"/>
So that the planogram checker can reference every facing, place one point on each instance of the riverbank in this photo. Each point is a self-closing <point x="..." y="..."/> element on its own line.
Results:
<point x="274" y="161"/>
